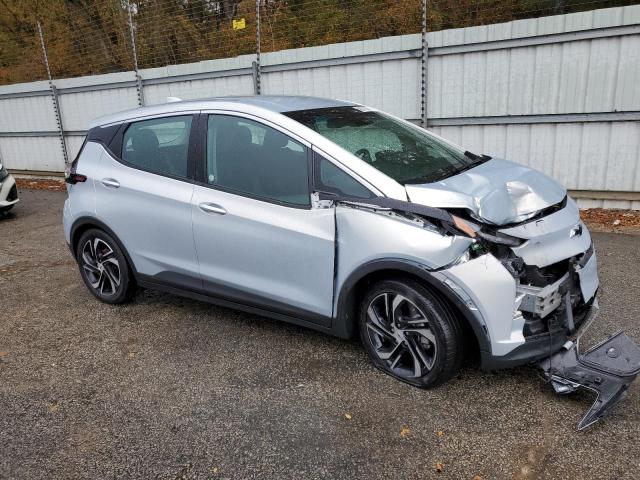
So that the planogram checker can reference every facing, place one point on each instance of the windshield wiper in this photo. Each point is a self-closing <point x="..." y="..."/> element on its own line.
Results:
<point x="443" y="173"/>
<point x="477" y="160"/>
<point x="469" y="166"/>
<point x="434" y="176"/>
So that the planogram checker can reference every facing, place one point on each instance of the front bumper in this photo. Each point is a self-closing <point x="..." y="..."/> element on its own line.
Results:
<point x="528" y="300"/>
<point x="540" y="346"/>
<point x="517" y="329"/>
<point x="8" y="192"/>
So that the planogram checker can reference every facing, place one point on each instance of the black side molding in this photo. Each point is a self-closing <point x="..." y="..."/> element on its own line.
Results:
<point x="397" y="205"/>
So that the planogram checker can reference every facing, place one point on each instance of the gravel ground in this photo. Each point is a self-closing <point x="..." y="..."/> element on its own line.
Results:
<point x="166" y="387"/>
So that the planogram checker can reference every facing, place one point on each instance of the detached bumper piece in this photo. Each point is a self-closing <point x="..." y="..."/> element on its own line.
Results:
<point x="606" y="369"/>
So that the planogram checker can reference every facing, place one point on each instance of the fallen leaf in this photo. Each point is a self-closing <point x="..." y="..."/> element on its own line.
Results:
<point x="131" y="354"/>
<point x="347" y="416"/>
<point x="477" y="477"/>
<point x="404" y="432"/>
<point x="439" y="467"/>
<point x="214" y="469"/>
<point x="3" y="354"/>
<point x="440" y="433"/>
<point x="53" y="407"/>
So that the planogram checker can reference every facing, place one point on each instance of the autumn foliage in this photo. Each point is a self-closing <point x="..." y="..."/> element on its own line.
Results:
<point x="85" y="37"/>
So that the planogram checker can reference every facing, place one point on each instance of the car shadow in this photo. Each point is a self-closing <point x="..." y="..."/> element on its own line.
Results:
<point x="5" y="216"/>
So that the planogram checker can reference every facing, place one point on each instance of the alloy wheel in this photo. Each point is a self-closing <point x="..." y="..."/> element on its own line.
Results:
<point x="401" y="335"/>
<point x="101" y="266"/>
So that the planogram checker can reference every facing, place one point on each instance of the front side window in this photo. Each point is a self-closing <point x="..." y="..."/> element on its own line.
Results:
<point x="331" y="179"/>
<point x="251" y="158"/>
<point x="160" y="145"/>
<point x="403" y="152"/>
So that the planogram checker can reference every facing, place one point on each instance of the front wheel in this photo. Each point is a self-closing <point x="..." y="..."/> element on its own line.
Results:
<point x="410" y="333"/>
<point x="103" y="267"/>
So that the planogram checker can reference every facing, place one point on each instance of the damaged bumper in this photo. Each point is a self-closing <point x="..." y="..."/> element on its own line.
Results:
<point x="538" y="347"/>
<point x="531" y="298"/>
<point x="524" y="323"/>
<point x="608" y="369"/>
<point x="551" y="282"/>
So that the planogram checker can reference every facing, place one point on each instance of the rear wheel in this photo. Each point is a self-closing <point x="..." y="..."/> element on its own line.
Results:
<point x="103" y="267"/>
<point x="410" y="333"/>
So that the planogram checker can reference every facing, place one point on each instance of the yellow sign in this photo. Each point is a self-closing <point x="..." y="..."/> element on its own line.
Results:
<point x="239" y="24"/>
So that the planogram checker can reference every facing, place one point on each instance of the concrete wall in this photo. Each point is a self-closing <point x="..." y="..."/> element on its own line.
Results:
<point x="560" y="93"/>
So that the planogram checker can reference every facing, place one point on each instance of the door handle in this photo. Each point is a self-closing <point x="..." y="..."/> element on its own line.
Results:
<point x="212" y="208"/>
<point x="110" y="182"/>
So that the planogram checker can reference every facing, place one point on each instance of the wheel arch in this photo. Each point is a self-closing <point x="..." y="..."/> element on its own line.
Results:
<point x="83" y="224"/>
<point x="355" y="285"/>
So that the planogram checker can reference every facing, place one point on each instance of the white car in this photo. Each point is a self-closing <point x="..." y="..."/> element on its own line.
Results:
<point x="8" y="190"/>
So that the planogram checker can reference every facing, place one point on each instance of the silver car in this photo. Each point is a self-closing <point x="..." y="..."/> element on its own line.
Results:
<point x="338" y="217"/>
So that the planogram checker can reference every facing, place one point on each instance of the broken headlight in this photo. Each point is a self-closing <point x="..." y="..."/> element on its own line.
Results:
<point x="484" y="233"/>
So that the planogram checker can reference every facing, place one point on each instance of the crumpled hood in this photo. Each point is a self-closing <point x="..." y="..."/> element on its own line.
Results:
<point x="498" y="191"/>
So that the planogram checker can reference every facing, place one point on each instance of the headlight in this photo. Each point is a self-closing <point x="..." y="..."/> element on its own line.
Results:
<point x="474" y="230"/>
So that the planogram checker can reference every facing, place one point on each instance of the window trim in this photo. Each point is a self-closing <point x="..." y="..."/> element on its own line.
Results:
<point x="75" y="161"/>
<point x="201" y="176"/>
<point x="93" y="136"/>
<point x="117" y="144"/>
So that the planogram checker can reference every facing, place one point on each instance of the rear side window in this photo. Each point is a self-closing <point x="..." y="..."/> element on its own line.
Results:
<point x="160" y="145"/>
<point x="251" y="158"/>
<point x="329" y="178"/>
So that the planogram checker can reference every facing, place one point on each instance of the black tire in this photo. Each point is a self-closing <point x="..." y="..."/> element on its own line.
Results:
<point x="424" y="331"/>
<point x="5" y="210"/>
<point x="104" y="268"/>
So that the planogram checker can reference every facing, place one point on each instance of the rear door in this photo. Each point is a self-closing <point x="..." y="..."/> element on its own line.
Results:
<point x="258" y="238"/>
<point x="143" y="191"/>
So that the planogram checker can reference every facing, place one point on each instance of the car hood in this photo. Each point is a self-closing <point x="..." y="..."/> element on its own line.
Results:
<point x="497" y="191"/>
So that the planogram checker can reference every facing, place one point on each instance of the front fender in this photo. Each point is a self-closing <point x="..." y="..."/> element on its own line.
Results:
<point x="346" y="317"/>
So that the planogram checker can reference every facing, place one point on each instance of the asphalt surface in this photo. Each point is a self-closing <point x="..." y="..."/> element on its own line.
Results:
<point x="166" y="387"/>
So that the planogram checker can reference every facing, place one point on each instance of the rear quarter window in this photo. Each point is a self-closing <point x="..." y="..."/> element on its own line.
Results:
<point x="102" y="135"/>
<point x="159" y="145"/>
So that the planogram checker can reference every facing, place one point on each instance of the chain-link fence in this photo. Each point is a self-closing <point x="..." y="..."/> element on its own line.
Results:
<point x="294" y="24"/>
<point x="85" y="37"/>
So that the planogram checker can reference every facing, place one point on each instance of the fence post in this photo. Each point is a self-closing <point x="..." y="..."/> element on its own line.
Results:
<point x="134" y="53"/>
<point x="424" y="61"/>
<point x="256" y="65"/>
<point x="54" y="96"/>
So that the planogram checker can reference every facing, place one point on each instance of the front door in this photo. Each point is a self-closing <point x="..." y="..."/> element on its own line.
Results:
<point x="258" y="239"/>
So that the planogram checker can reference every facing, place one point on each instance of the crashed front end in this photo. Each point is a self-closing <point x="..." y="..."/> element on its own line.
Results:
<point x="534" y="287"/>
<point x="532" y="268"/>
<point x="507" y="246"/>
